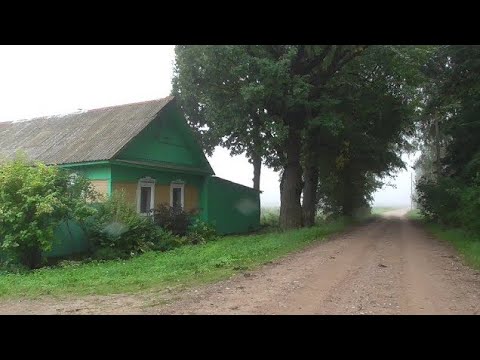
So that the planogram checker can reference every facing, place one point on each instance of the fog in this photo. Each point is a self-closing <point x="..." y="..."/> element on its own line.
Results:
<point x="237" y="168"/>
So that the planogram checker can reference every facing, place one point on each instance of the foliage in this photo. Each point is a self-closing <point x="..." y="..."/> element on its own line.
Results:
<point x="34" y="200"/>
<point x="344" y="112"/>
<point x="448" y="171"/>
<point x="117" y="231"/>
<point x="174" y="219"/>
<point x="186" y="265"/>
<point x="450" y="202"/>
<point x="269" y="217"/>
<point x="201" y="232"/>
<point x="255" y="99"/>
<point x="374" y="105"/>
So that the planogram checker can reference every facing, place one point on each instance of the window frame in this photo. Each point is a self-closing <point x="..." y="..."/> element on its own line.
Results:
<point x="146" y="182"/>
<point x="176" y="185"/>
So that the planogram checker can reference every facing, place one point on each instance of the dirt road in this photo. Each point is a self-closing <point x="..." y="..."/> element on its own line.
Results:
<point x="389" y="266"/>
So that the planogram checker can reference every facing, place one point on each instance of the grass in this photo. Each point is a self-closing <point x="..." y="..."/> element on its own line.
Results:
<point x="184" y="266"/>
<point x="269" y="216"/>
<point x="414" y="214"/>
<point x="466" y="243"/>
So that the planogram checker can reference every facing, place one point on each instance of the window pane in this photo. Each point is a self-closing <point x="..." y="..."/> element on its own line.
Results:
<point x="177" y="197"/>
<point x="145" y="194"/>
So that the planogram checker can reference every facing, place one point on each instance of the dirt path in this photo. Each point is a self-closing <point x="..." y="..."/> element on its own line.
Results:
<point x="389" y="266"/>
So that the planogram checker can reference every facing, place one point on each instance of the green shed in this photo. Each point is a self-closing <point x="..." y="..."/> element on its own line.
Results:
<point x="146" y="150"/>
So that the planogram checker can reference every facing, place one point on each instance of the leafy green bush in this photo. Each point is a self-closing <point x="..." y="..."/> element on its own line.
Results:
<point x="174" y="219"/>
<point x="450" y="202"/>
<point x="34" y="200"/>
<point x="119" y="232"/>
<point x="118" y="228"/>
<point x="201" y="232"/>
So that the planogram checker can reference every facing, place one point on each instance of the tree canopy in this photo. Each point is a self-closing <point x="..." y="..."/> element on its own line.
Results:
<point x="333" y="118"/>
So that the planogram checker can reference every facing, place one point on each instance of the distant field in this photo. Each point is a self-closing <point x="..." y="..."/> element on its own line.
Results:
<point x="269" y="215"/>
<point x="383" y="209"/>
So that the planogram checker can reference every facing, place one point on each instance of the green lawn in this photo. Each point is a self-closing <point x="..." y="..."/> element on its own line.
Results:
<point x="187" y="265"/>
<point x="465" y="243"/>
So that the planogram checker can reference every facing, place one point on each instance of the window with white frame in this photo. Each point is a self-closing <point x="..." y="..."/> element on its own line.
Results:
<point x="177" y="195"/>
<point x="145" y="195"/>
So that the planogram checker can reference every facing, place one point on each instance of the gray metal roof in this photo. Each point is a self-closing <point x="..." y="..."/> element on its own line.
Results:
<point x="92" y="135"/>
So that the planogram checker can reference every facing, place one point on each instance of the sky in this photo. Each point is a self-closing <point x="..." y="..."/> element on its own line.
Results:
<point x="38" y="80"/>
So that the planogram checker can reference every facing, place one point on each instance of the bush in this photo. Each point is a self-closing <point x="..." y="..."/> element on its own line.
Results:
<point x="118" y="228"/>
<point x="450" y="202"/>
<point x="173" y="219"/>
<point x="201" y="232"/>
<point x="119" y="232"/>
<point x="270" y="217"/>
<point x="34" y="200"/>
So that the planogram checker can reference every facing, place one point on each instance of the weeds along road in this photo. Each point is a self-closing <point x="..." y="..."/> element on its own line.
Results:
<point x="388" y="266"/>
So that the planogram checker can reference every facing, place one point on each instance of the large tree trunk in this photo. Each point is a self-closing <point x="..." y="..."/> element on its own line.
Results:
<point x="347" y="203"/>
<point x="291" y="187"/>
<point x="310" y="174"/>
<point x="438" y="166"/>
<point x="257" y="145"/>
<point x="310" y="195"/>
<point x="257" y="168"/>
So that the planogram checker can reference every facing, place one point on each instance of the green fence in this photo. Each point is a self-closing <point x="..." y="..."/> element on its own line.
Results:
<point x="70" y="239"/>
<point x="232" y="207"/>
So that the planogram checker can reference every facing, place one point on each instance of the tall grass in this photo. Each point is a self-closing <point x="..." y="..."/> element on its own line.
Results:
<point x="465" y="242"/>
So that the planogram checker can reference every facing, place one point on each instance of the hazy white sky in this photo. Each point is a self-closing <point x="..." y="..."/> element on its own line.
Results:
<point x="41" y="80"/>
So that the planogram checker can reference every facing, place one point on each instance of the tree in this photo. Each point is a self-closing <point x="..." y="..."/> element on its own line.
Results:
<point x="255" y="99"/>
<point x="34" y="200"/>
<point x="368" y="120"/>
<point x="449" y="185"/>
<point x="219" y="91"/>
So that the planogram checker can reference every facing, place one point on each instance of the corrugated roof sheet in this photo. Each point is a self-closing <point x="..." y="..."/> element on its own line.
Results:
<point x="93" y="135"/>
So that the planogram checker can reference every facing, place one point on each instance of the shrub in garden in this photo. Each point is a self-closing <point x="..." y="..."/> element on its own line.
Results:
<point x="34" y="200"/>
<point x="201" y="232"/>
<point x="174" y="219"/>
<point x="118" y="231"/>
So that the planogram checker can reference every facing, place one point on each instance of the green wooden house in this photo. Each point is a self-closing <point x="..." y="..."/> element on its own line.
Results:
<point x="146" y="150"/>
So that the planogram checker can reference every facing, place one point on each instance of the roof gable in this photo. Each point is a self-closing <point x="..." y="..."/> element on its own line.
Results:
<point x="92" y="135"/>
<point x="167" y="140"/>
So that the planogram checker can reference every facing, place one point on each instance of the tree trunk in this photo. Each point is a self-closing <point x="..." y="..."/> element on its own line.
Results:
<point x="257" y="145"/>
<point x="310" y="173"/>
<point x="291" y="187"/>
<point x="347" y="203"/>
<point x="310" y="195"/>
<point x="438" y="167"/>
<point x="257" y="168"/>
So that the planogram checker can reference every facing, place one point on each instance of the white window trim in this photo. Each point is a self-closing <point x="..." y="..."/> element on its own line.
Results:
<point x="146" y="182"/>
<point x="177" y="186"/>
